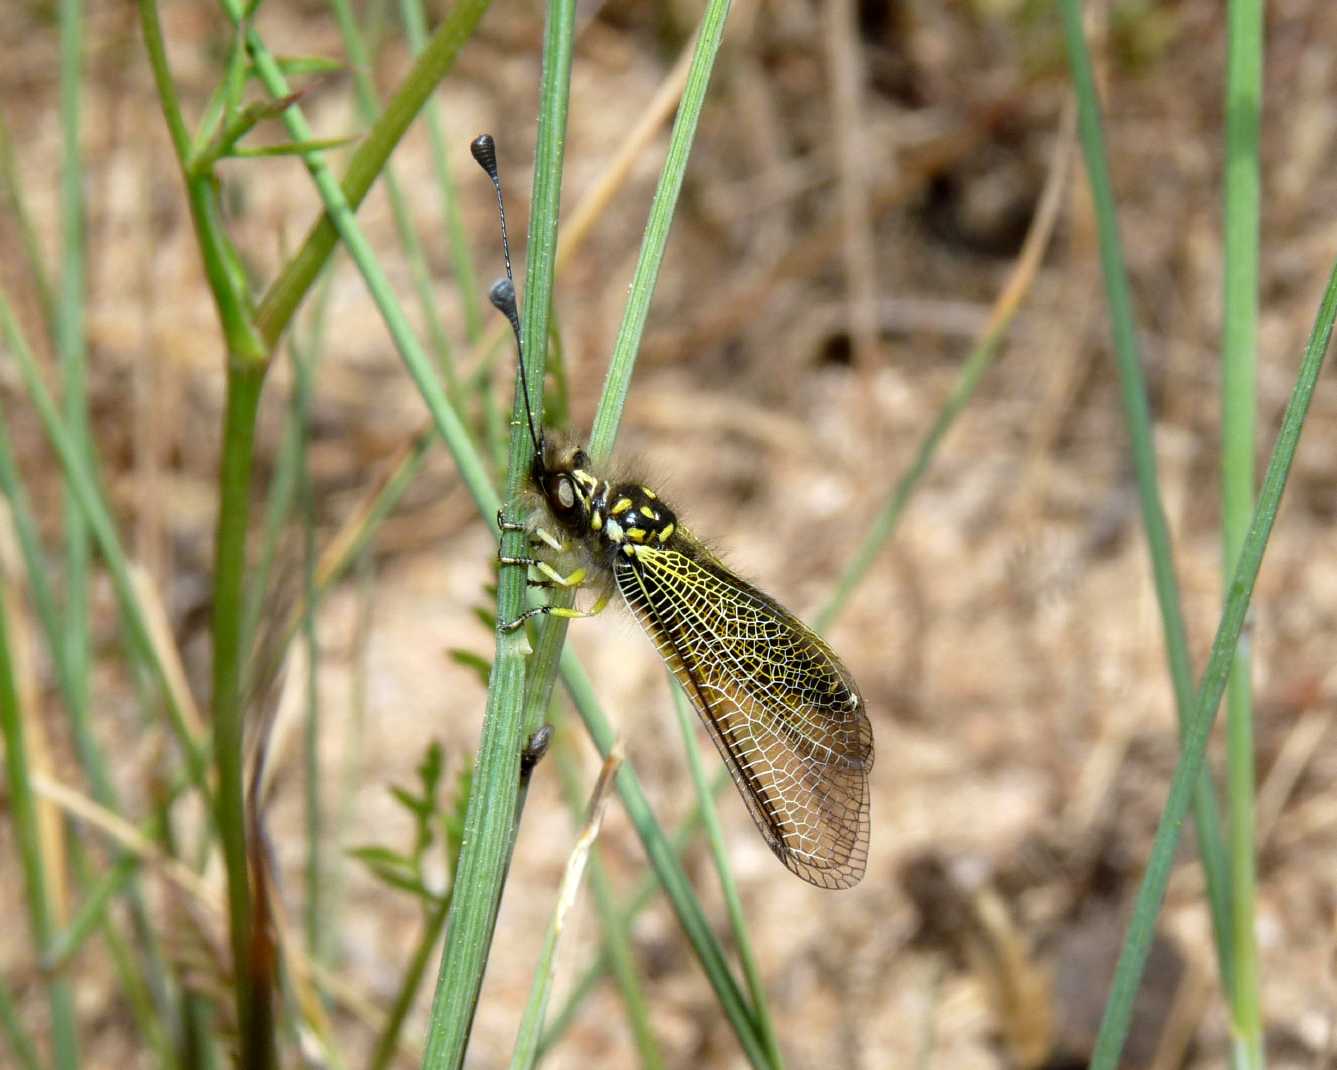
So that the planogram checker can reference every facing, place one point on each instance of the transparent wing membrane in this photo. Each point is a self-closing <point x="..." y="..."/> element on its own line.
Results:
<point x="783" y="711"/>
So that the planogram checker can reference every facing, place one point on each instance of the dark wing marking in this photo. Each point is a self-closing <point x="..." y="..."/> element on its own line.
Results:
<point x="783" y="711"/>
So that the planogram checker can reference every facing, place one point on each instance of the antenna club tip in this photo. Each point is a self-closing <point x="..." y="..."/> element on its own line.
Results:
<point x="502" y="295"/>
<point x="484" y="150"/>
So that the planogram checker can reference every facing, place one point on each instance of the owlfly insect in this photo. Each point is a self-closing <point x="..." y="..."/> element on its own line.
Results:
<point x="781" y="708"/>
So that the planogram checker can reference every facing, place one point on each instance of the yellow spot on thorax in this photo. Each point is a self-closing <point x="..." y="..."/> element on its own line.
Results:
<point x="623" y="504"/>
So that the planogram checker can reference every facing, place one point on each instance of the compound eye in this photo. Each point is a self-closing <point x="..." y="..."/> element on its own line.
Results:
<point x="566" y="493"/>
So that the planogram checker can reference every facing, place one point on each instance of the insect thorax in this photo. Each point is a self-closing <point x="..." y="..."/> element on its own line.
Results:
<point x="614" y="516"/>
<point x="627" y="515"/>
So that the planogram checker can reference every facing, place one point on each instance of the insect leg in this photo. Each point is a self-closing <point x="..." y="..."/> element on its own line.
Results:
<point x="557" y="611"/>
<point x="579" y="614"/>
<point x="574" y="579"/>
<point x="508" y="525"/>
<point x="549" y="539"/>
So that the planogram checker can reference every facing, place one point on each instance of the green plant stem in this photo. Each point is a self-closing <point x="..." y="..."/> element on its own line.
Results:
<point x="285" y="295"/>
<point x="20" y="1044"/>
<point x="23" y="814"/>
<point x="1142" y="445"/>
<point x="732" y="901"/>
<point x="17" y="203"/>
<point x="490" y="827"/>
<point x="664" y="860"/>
<point x="618" y="379"/>
<point x="369" y="106"/>
<point x="979" y="361"/>
<point x="317" y="924"/>
<point x="1132" y="960"/>
<point x="73" y="361"/>
<point x="461" y="259"/>
<point x="1244" y="94"/>
<point x="234" y="506"/>
<point x="81" y="480"/>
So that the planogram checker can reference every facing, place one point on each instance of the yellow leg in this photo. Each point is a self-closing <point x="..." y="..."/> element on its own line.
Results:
<point x="557" y="611"/>
<point x="575" y="579"/>
<point x="550" y="539"/>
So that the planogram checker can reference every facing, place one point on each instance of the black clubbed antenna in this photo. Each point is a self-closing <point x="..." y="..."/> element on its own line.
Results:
<point x="502" y="294"/>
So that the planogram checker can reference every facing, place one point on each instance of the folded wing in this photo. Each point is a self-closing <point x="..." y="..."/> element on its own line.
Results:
<point x="783" y="711"/>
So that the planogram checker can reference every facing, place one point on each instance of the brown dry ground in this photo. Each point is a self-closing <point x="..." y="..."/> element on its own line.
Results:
<point x="1007" y="640"/>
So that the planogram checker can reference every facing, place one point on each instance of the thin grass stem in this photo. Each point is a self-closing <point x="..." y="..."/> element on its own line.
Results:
<point x="419" y="273"/>
<point x="490" y="822"/>
<point x="1137" y="945"/>
<point x="1239" y="405"/>
<point x="457" y="240"/>
<point x="664" y="860"/>
<point x="682" y="838"/>
<point x="525" y="1053"/>
<point x="20" y="1043"/>
<point x="1137" y="413"/>
<point x="733" y="903"/>
<point x="617" y="382"/>
<point x="73" y="360"/>
<point x="617" y="937"/>
<point x="980" y="359"/>
<point x="285" y="295"/>
<point x="42" y="917"/>
<point x="108" y="542"/>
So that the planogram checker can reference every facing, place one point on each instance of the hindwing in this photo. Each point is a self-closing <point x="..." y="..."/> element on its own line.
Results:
<point x="783" y="711"/>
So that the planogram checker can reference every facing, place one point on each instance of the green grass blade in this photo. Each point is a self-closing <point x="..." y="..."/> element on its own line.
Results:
<point x="20" y="1044"/>
<point x="17" y="202"/>
<point x="705" y="799"/>
<point x="73" y="355"/>
<point x="1239" y="404"/>
<point x="1132" y="960"/>
<point x="285" y="295"/>
<point x="23" y="816"/>
<point x="494" y="803"/>
<point x="419" y="273"/>
<point x="104" y="531"/>
<point x="618" y="380"/>
<point x="457" y="240"/>
<point x="1138" y="415"/>
<point x="664" y="860"/>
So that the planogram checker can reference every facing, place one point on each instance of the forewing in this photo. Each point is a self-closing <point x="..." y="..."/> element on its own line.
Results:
<point x="783" y="711"/>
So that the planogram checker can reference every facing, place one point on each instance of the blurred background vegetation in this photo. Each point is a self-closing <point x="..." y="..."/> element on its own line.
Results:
<point x="875" y="187"/>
